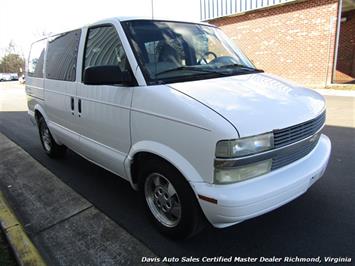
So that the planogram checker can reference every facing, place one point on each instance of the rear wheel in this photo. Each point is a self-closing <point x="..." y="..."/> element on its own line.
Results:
<point x="49" y="145"/>
<point x="169" y="200"/>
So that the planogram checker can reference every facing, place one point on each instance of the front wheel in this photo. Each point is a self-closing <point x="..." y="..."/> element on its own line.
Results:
<point x="162" y="199"/>
<point x="170" y="201"/>
<point x="49" y="145"/>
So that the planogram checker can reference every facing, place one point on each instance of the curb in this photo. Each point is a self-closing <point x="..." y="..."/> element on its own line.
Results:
<point x="334" y="92"/>
<point x="25" y="251"/>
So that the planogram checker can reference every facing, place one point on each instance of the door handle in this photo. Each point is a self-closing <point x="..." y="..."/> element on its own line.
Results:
<point x="79" y="107"/>
<point x="72" y="105"/>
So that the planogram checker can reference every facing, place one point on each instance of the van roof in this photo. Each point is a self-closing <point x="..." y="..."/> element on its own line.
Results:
<point x="128" y="18"/>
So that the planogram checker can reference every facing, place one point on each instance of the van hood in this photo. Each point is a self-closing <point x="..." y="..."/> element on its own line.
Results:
<point x="255" y="103"/>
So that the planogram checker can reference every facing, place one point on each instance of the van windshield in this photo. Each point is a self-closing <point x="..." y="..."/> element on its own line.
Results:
<point x="170" y="52"/>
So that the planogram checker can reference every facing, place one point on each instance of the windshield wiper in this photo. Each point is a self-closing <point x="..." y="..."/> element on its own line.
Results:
<point x="243" y="67"/>
<point x="189" y="68"/>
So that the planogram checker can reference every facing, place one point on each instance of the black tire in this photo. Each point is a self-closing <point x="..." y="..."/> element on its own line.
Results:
<point x="49" y="145"/>
<point x="191" y="218"/>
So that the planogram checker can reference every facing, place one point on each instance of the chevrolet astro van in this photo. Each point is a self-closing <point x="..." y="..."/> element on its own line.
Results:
<point x="176" y="109"/>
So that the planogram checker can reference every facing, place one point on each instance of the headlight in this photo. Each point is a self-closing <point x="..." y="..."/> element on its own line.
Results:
<point x="244" y="146"/>
<point x="232" y="175"/>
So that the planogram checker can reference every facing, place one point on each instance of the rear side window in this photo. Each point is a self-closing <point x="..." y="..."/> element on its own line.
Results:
<point x="62" y="56"/>
<point x="103" y="47"/>
<point x="36" y="59"/>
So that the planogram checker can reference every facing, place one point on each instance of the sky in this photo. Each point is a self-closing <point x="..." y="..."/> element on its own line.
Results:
<point x="25" y="21"/>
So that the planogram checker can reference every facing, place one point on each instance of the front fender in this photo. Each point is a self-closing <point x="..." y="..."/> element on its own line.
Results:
<point x="165" y="152"/>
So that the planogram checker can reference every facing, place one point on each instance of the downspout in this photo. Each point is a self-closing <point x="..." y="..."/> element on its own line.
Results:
<point x="335" y="59"/>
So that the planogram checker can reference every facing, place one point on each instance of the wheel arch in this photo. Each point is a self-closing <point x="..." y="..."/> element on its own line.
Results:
<point x="39" y="112"/>
<point x="147" y="149"/>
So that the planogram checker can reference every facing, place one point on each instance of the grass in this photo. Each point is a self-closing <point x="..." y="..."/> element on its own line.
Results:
<point x="6" y="256"/>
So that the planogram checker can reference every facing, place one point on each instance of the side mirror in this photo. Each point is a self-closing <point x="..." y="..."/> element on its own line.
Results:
<point x="106" y="75"/>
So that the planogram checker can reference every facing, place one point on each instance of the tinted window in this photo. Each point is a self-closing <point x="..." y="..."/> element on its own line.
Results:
<point x="62" y="55"/>
<point x="36" y="59"/>
<point x="103" y="47"/>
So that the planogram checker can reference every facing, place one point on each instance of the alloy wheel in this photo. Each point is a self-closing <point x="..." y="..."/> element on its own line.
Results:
<point x="162" y="199"/>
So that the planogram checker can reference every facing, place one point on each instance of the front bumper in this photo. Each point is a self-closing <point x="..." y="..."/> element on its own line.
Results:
<point x="240" y="201"/>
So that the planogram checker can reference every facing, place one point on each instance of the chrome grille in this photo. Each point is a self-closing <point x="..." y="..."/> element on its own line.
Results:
<point x="293" y="154"/>
<point x="289" y="135"/>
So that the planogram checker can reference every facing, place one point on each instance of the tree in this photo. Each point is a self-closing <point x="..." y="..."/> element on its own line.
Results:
<point x="12" y="62"/>
<point x="11" y="48"/>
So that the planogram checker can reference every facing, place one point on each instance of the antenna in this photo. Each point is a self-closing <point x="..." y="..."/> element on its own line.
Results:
<point x="152" y="1"/>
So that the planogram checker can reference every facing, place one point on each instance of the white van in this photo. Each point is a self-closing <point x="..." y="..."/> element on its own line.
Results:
<point x="178" y="111"/>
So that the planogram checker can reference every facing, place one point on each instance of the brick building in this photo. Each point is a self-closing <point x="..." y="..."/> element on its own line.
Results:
<point x="309" y="41"/>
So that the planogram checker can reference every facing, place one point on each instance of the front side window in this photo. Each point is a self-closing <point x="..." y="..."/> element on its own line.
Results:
<point x="36" y="59"/>
<point x="103" y="47"/>
<point x="62" y="56"/>
<point x="176" y="51"/>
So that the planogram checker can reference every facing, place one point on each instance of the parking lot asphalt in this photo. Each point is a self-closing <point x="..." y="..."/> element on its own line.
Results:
<point x="48" y="223"/>
<point x="319" y="223"/>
